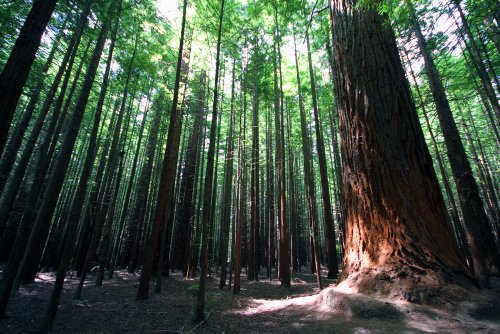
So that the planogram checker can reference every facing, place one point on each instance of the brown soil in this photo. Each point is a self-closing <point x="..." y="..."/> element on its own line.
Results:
<point x="261" y="307"/>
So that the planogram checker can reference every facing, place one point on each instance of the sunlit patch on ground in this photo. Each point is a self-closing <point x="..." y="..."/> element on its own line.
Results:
<point x="261" y="307"/>
<point x="45" y="277"/>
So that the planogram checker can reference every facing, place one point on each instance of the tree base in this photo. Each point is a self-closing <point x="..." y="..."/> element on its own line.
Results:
<point x="432" y="286"/>
<point x="450" y="299"/>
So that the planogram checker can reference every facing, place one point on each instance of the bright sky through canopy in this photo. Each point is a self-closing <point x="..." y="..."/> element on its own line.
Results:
<point x="168" y="8"/>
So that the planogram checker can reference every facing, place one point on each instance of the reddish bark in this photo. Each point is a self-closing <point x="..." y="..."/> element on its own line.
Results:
<point x="397" y="227"/>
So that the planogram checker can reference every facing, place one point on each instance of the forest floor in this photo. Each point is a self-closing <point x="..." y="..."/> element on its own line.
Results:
<point x="261" y="307"/>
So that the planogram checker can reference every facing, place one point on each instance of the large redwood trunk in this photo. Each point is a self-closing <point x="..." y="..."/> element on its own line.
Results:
<point x="398" y="235"/>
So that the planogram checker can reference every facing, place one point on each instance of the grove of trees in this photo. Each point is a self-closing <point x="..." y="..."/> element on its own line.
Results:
<point x="257" y="138"/>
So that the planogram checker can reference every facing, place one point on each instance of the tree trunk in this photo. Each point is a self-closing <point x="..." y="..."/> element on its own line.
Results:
<point x="489" y="195"/>
<point x="476" y="55"/>
<point x="240" y="214"/>
<point x="16" y="134"/>
<point x="128" y="194"/>
<point x="339" y="210"/>
<point x="461" y="238"/>
<point x="228" y="186"/>
<point x="17" y="68"/>
<point x="284" y="258"/>
<point x="253" y="254"/>
<point x="308" y="176"/>
<point x="10" y="192"/>
<point x="331" y="247"/>
<point x="90" y="212"/>
<point x="207" y="198"/>
<point x="42" y="223"/>
<point x="181" y="241"/>
<point x="76" y="207"/>
<point x="271" y="216"/>
<point x="484" y="253"/>
<point x="141" y="200"/>
<point x="397" y="227"/>
<point x="166" y="190"/>
<point x="163" y="259"/>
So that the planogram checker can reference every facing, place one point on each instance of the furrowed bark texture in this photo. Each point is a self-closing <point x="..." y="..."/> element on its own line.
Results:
<point x="397" y="227"/>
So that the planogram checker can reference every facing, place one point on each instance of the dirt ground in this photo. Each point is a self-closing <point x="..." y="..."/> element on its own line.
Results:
<point x="261" y="307"/>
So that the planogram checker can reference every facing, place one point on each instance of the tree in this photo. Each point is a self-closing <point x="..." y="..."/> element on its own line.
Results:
<point x="76" y="207"/>
<point x="484" y="252"/>
<point x="397" y="227"/>
<point x="17" y="133"/>
<point x="308" y="177"/>
<point x="228" y="178"/>
<point x="253" y="256"/>
<point x="462" y="241"/>
<point x="207" y="197"/>
<point x="166" y="190"/>
<point x="17" y="68"/>
<point x="240" y="188"/>
<point x="331" y="248"/>
<point x="284" y="259"/>
<point x="41" y="225"/>
<point x="185" y="220"/>
<point x="476" y="55"/>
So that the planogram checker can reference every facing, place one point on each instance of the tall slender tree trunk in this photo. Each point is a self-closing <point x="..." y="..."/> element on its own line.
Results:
<point x="253" y="254"/>
<point x="196" y="231"/>
<point x="43" y="219"/>
<point x="16" y="69"/>
<point x="128" y="194"/>
<point x="90" y="211"/>
<point x="10" y="192"/>
<point x="271" y="216"/>
<point x="166" y="190"/>
<point x="335" y="141"/>
<point x="488" y="174"/>
<point x="17" y="133"/>
<point x="284" y="257"/>
<point x="76" y="207"/>
<point x="228" y="178"/>
<point x="293" y="213"/>
<point x="213" y="204"/>
<point x="461" y="237"/>
<point x="308" y="176"/>
<point x="484" y="252"/>
<point x="331" y="247"/>
<point x="240" y="214"/>
<point x="489" y="195"/>
<point x="207" y="198"/>
<point x="41" y="225"/>
<point x="476" y="55"/>
<point x="142" y="194"/>
<point x="185" y="216"/>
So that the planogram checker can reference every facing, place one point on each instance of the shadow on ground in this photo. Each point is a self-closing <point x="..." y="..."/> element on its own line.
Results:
<point x="261" y="307"/>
